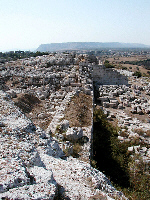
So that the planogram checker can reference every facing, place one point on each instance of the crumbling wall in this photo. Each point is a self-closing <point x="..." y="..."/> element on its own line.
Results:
<point x="108" y="76"/>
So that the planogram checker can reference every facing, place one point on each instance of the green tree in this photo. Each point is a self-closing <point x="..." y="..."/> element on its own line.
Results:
<point x="107" y="64"/>
<point x="138" y="74"/>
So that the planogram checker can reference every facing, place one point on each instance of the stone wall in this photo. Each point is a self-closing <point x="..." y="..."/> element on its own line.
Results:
<point x="108" y="76"/>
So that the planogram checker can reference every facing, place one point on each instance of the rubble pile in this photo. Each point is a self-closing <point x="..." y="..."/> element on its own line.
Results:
<point x="43" y="86"/>
<point x="33" y="166"/>
<point x="34" y="94"/>
<point x="129" y="107"/>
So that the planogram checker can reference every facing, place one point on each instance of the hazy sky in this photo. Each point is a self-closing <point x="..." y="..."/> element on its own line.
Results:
<point x="25" y="24"/>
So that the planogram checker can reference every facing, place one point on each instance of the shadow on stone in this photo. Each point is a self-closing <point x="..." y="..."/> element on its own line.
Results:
<point x="111" y="158"/>
<point x="83" y="139"/>
<point x="61" y="194"/>
<point x="26" y="102"/>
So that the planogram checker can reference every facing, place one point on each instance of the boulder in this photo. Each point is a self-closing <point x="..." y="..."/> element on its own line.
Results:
<point x="42" y="116"/>
<point x="148" y="153"/>
<point x="74" y="133"/>
<point x="12" y="94"/>
<point x="130" y="149"/>
<point x="134" y="110"/>
<point x="120" y="106"/>
<point x="147" y="110"/>
<point x="64" y="125"/>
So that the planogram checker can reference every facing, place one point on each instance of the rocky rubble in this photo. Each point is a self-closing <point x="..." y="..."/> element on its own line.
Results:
<point x="32" y="166"/>
<point x="129" y="107"/>
<point x="33" y="163"/>
<point x="43" y="86"/>
<point x="20" y="159"/>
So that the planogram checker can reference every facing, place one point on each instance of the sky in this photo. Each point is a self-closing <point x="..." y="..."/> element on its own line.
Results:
<point x="25" y="24"/>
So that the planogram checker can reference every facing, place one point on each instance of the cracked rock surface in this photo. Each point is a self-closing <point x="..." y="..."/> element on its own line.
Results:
<point x="32" y="164"/>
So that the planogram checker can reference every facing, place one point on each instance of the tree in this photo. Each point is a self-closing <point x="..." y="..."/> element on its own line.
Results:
<point x="107" y="64"/>
<point x="137" y="73"/>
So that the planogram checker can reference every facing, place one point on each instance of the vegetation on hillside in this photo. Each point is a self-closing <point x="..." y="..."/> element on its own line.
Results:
<point x="107" y="64"/>
<point x="138" y="74"/>
<point x="126" y="171"/>
<point x="145" y="63"/>
<point x="26" y="102"/>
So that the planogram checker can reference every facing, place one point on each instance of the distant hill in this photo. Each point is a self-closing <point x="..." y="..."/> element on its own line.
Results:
<point x="87" y="45"/>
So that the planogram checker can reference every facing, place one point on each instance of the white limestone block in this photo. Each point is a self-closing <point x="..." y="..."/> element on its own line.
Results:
<point x="74" y="133"/>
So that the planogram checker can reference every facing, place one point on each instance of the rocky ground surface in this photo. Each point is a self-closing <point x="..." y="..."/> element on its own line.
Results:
<point x="129" y="108"/>
<point x="37" y="135"/>
<point x="33" y="166"/>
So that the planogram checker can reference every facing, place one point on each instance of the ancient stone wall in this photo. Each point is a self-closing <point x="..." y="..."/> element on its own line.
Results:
<point x="108" y="76"/>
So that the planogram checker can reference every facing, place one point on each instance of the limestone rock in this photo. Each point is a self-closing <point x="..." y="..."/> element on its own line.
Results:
<point x="74" y="133"/>
<point x="64" y="125"/>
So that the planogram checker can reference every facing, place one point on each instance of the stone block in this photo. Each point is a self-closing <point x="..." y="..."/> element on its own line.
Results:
<point x="74" y="133"/>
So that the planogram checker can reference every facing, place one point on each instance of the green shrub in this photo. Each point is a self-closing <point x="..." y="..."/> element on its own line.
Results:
<point x="124" y="68"/>
<point x="138" y="74"/>
<point x="107" y="64"/>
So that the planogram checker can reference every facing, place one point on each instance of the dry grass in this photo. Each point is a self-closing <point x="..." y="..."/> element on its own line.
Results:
<point x="124" y="134"/>
<point x="132" y="58"/>
<point x="148" y="133"/>
<point x="26" y="102"/>
<point x="76" y="149"/>
<point x="118" y="63"/>
<point x="32" y="107"/>
<point x="98" y="197"/>
<point x="141" y="132"/>
<point x="78" y="112"/>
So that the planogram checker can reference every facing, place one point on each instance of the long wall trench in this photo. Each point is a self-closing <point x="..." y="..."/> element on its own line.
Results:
<point x="103" y="76"/>
<point x="117" y="133"/>
<point x="100" y="153"/>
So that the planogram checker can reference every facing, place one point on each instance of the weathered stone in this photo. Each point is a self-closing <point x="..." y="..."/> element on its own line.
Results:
<point x="139" y="111"/>
<point x="130" y="149"/>
<point x="74" y="133"/>
<point x="42" y="116"/>
<point x="64" y="125"/>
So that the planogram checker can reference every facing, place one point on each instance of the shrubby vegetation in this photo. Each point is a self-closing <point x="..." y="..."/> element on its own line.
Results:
<point x="111" y="155"/>
<point x="107" y="64"/>
<point x="138" y="74"/>
<point x="8" y="56"/>
<point x="127" y="172"/>
<point x="124" y="68"/>
<point x="145" y="63"/>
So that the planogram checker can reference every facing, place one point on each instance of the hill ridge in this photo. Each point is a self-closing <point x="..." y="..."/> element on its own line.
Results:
<point x="87" y="45"/>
